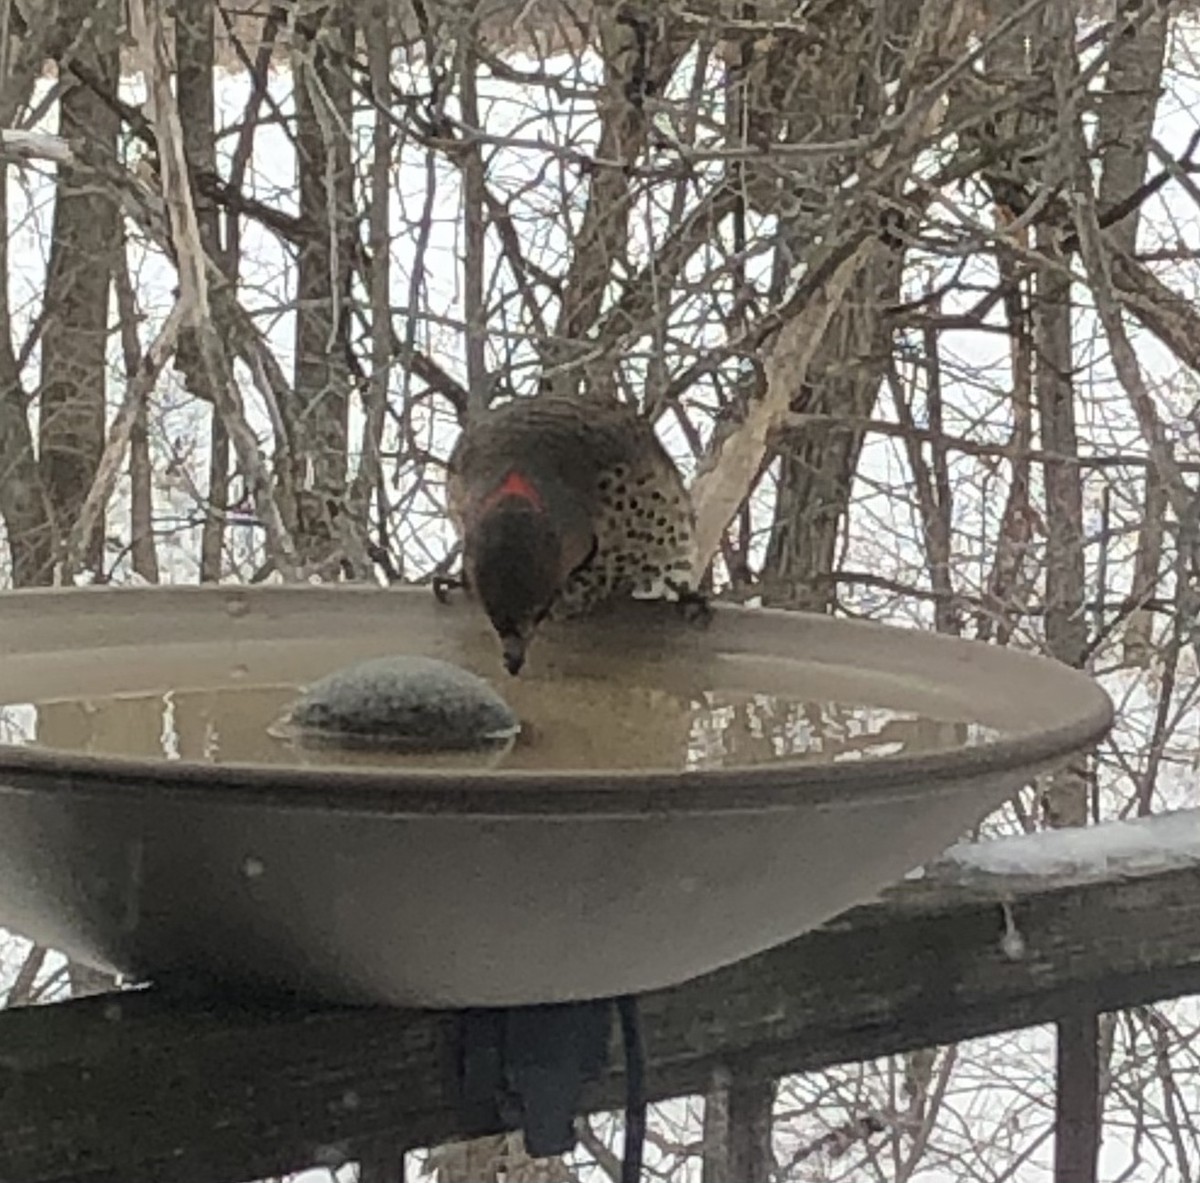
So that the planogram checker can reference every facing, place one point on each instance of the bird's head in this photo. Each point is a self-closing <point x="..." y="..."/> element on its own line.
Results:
<point x="519" y="556"/>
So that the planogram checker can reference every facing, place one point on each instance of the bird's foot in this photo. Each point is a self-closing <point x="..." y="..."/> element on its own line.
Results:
<point x="692" y="605"/>
<point x="443" y="585"/>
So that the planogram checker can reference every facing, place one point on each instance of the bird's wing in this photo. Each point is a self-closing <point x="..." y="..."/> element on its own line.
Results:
<point x="575" y="442"/>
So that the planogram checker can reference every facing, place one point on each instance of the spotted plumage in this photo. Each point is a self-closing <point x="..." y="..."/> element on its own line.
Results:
<point x="561" y="505"/>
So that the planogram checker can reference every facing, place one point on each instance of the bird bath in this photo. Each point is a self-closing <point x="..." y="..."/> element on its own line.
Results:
<point x="629" y="843"/>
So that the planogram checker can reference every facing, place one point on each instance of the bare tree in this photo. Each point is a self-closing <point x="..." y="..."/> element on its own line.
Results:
<point x="907" y="289"/>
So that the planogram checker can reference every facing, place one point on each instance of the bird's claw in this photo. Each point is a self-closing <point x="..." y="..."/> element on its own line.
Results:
<point x="692" y="605"/>
<point x="443" y="585"/>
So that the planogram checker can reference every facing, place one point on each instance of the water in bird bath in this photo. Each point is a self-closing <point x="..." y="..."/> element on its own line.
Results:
<point x="230" y="713"/>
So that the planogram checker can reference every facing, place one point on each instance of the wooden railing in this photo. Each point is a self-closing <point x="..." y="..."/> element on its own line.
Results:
<point x="137" y="1086"/>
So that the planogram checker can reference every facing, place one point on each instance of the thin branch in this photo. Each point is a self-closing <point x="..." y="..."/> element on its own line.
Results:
<point x="22" y="990"/>
<point x="144" y="555"/>
<point x="375" y="392"/>
<point x="475" y="235"/>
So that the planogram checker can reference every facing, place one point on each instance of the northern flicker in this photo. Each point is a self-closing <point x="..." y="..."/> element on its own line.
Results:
<point x="563" y="504"/>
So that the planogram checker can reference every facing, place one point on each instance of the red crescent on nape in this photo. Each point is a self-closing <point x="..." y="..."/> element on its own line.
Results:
<point x="514" y="484"/>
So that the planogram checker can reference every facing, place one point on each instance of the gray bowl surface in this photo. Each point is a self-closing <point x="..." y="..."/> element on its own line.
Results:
<point x="477" y="887"/>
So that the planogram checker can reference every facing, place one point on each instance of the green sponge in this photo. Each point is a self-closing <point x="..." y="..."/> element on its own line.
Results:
<point x="405" y="703"/>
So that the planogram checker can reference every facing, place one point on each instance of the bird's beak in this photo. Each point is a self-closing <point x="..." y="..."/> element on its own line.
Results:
<point x="514" y="652"/>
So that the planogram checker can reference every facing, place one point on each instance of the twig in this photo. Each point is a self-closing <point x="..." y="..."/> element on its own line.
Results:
<point x="830" y="421"/>
<point x="932" y="484"/>
<point x="259" y="71"/>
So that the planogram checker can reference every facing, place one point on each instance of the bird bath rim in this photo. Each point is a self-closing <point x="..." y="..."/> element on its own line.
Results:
<point x="1086" y="716"/>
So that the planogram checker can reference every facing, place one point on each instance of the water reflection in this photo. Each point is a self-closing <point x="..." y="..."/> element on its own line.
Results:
<point x="567" y="723"/>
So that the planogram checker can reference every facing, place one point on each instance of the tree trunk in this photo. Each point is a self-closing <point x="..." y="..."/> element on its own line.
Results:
<point x="1124" y="127"/>
<point x="83" y="252"/>
<point x="194" y="55"/>
<point x="28" y="519"/>
<point x="1065" y="796"/>
<point x="24" y="505"/>
<point x="737" y="1130"/>
<point x="797" y="95"/>
<point x="318" y="426"/>
<point x="817" y="466"/>
<point x="1124" y="130"/>
<point x="642" y="46"/>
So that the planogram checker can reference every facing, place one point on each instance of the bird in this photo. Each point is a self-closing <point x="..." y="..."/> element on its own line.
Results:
<point x="561" y="505"/>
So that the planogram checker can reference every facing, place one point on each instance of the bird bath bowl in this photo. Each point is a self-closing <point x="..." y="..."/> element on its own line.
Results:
<point x="675" y="805"/>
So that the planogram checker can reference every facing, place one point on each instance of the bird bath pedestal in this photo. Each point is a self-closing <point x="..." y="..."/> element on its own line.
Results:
<point x="563" y="876"/>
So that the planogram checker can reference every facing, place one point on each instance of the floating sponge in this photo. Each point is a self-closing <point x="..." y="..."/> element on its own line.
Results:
<point x="405" y="703"/>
